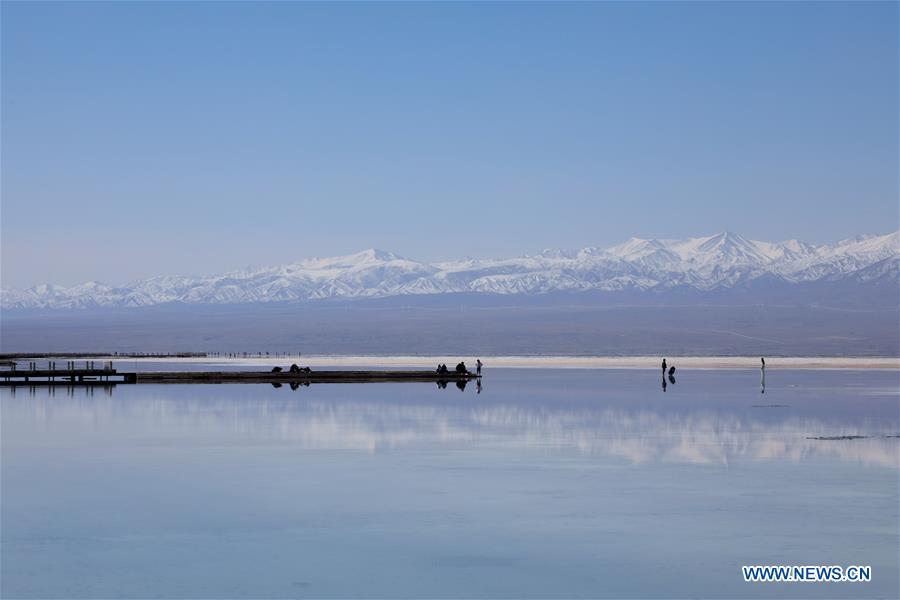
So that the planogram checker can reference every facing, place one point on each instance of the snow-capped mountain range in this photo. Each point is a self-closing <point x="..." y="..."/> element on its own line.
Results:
<point x="724" y="260"/>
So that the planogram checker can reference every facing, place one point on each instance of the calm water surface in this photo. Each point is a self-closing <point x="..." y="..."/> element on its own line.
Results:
<point x="547" y="484"/>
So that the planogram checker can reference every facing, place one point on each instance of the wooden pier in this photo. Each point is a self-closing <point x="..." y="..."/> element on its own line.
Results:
<point x="64" y="377"/>
<point x="303" y="377"/>
<point x="108" y="376"/>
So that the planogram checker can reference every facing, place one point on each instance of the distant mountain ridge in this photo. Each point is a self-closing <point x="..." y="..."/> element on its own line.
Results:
<point x="721" y="261"/>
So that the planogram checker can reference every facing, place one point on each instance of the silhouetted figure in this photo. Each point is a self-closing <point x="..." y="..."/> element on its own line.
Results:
<point x="442" y="385"/>
<point x="672" y="370"/>
<point x="461" y="368"/>
<point x="664" y="382"/>
<point x="442" y="369"/>
<point x="664" y="367"/>
<point x="461" y="384"/>
<point x="276" y="369"/>
<point x="478" y="365"/>
<point x="294" y="368"/>
<point x="276" y="385"/>
<point x="295" y="385"/>
<point x="762" y="376"/>
<point x="671" y="379"/>
<point x="478" y="386"/>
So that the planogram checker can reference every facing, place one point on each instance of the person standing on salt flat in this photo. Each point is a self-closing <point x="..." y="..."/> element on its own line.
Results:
<point x="664" y="366"/>
<point x="762" y="376"/>
<point x="478" y="364"/>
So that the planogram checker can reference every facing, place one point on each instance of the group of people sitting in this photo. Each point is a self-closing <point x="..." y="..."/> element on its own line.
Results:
<point x="443" y="370"/>
<point x="294" y="369"/>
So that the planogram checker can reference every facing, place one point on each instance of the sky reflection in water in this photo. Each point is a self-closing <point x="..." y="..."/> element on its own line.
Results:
<point x="549" y="483"/>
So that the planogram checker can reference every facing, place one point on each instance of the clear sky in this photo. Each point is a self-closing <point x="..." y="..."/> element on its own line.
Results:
<point x="177" y="138"/>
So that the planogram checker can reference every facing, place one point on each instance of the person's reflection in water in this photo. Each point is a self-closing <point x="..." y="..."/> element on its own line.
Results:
<point x="672" y="379"/>
<point x="442" y="385"/>
<point x="461" y="384"/>
<point x="478" y="386"/>
<point x="294" y="385"/>
<point x="664" y="382"/>
<point x="275" y="384"/>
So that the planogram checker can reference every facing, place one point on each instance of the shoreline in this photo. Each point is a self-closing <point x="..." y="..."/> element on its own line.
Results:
<point x="545" y="362"/>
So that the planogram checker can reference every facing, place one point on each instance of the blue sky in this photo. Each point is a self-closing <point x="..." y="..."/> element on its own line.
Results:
<point x="178" y="138"/>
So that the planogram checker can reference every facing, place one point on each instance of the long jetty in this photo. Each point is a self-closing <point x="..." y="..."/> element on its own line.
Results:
<point x="301" y="377"/>
<point x="110" y="376"/>
<point x="79" y="377"/>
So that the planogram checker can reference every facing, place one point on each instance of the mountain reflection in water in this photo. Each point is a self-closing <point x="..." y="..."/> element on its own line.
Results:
<point x="624" y="422"/>
<point x="547" y="484"/>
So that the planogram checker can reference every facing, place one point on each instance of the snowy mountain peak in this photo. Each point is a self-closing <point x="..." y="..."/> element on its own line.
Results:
<point x="725" y="239"/>
<point x="731" y="248"/>
<point x="365" y="257"/>
<point x="722" y="260"/>
<point x="636" y="247"/>
<point x="373" y="254"/>
<point x="556" y="253"/>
